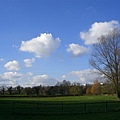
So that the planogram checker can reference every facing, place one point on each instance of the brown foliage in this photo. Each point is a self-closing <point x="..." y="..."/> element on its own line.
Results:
<point x="88" y="91"/>
<point x="96" y="88"/>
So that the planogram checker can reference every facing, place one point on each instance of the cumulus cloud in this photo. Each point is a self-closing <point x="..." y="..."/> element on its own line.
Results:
<point x="97" y="29"/>
<point x="12" y="65"/>
<point x="11" y="75"/>
<point x="43" y="80"/>
<point x="10" y="78"/>
<point x="77" y="50"/>
<point x="33" y="80"/>
<point x="42" y="45"/>
<point x="83" y="76"/>
<point x="28" y="79"/>
<point x="29" y="62"/>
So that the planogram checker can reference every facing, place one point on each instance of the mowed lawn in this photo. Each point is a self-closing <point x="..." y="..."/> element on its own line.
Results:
<point x="55" y="108"/>
<point x="63" y="99"/>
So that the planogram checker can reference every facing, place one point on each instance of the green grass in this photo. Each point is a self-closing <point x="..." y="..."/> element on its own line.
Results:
<point x="63" y="99"/>
<point x="51" y="108"/>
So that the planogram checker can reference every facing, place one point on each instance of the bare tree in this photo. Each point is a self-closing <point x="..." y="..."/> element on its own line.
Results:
<point x="106" y="58"/>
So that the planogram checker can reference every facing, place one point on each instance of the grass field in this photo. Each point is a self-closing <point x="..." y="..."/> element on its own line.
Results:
<point x="46" y="108"/>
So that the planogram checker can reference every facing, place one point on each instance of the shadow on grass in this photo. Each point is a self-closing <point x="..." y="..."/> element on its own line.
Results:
<point x="96" y="116"/>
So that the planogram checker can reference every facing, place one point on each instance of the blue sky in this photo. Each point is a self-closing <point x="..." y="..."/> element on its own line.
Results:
<point x="45" y="41"/>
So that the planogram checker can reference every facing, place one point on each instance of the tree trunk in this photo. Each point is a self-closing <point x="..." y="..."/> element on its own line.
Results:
<point x="118" y="93"/>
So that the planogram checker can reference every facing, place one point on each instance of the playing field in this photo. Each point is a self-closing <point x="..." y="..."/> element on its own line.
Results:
<point x="60" y="108"/>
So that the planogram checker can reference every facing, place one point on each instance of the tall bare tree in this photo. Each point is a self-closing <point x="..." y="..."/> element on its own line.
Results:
<point x="106" y="58"/>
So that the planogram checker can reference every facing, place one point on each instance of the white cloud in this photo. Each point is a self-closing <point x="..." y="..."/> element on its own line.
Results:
<point x="28" y="79"/>
<point x="28" y="62"/>
<point x="43" y="80"/>
<point x="12" y="65"/>
<point x="33" y="80"/>
<point x="11" y="75"/>
<point x="10" y="78"/>
<point x="97" y="29"/>
<point x="83" y="76"/>
<point x="77" y="50"/>
<point x="43" y="45"/>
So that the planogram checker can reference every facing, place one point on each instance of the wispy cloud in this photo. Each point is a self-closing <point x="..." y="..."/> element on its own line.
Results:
<point x="1" y="59"/>
<point x="29" y="62"/>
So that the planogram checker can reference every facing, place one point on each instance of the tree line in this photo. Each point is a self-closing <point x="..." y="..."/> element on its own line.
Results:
<point x="64" y="88"/>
